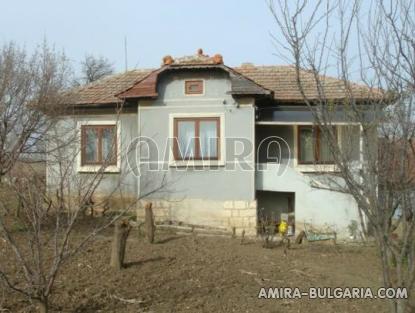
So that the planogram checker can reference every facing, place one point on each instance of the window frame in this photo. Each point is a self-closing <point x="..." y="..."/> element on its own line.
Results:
<point x="316" y="145"/>
<point x="197" y="147"/>
<point x="199" y="92"/>
<point x="100" y="128"/>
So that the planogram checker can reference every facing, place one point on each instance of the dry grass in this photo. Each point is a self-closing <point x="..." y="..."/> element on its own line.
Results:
<point x="204" y="274"/>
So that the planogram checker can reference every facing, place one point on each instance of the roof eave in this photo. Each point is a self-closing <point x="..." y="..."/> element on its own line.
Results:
<point x="137" y="97"/>
<point x="255" y="95"/>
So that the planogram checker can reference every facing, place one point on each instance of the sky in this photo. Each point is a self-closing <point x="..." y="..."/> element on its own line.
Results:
<point x="237" y="29"/>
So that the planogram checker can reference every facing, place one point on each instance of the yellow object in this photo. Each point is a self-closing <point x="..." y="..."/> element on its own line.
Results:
<point x="283" y="227"/>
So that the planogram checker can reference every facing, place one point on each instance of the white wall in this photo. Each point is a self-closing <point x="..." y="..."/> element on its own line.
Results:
<point x="316" y="206"/>
<point x="68" y="130"/>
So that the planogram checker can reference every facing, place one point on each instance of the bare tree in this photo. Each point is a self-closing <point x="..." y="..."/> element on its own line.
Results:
<point x="32" y="94"/>
<point x="49" y="217"/>
<point x="29" y="86"/>
<point x="94" y="68"/>
<point x="373" y="44"/>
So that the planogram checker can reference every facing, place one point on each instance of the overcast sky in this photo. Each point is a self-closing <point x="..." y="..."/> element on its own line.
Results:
<point x="238" y="29"/>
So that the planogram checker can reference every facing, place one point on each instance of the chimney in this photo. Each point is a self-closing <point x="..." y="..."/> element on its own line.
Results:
<point x="200" y="51"/>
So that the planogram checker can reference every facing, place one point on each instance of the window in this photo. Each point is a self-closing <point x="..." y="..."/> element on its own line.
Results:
<point x="196" y="138"/>
<point x="193" y="87"/>
<point x="312" y="147"/>
<point x="99" y="145"/>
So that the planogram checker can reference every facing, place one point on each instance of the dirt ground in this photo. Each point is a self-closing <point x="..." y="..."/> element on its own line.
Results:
<point x="194" y="273"/>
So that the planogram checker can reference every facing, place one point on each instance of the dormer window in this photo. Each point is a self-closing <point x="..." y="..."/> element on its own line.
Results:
<point x="193" y="87"/>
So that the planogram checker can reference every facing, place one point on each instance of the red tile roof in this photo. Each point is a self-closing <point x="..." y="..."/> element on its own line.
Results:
<point x="279" y="79"/>
<point x="283" y="81"/>
<point x="105" y="90"/>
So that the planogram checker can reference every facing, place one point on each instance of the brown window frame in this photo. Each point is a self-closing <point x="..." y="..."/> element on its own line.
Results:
<point x="197" y="121"/>
<point x="100" y="129"/>
<point x="316" y="145"/>
<point x="200" y="89"/>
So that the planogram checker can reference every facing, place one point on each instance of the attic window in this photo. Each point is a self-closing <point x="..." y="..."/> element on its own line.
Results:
<point x="193" y="87"/>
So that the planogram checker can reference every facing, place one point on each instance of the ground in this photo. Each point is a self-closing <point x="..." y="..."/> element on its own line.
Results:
<point x="194" y="273"/>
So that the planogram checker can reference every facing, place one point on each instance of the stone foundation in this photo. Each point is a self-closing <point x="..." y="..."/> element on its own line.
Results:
<point x="242" y="215"/>
<point x="219" y="214"/>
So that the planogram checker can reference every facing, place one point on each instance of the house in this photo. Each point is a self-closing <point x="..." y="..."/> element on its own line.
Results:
<point x="234" y="145"/>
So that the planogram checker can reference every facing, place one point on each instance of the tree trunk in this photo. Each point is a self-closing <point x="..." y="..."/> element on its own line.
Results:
<point x="363" y="225"/>
<point x="122" y="229"/>
<point x="149" y="221"/>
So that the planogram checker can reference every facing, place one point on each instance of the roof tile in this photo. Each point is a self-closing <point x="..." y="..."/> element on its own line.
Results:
<point x="280" y="79"/>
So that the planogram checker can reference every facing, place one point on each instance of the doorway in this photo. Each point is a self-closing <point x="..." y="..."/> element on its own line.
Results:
<point x="273" y="207"/>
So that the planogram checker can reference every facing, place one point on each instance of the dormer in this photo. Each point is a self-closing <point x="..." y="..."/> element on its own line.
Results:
<point x="192" y="71"/>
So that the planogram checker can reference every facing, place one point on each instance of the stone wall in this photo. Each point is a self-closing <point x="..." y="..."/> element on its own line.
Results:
<point x="219" y="214"/>
<point x="242" y="215"/>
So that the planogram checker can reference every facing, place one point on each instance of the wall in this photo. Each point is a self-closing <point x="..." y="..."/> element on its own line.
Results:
<point x="316" y="206"/>
<point x="122" y="183"/>
<point x="222" y="195"/>
<point x="319" y="207"/>
<point x="195" y="194"/>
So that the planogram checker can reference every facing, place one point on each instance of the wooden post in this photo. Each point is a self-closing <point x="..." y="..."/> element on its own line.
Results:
<point x="243" y="237"/>
<point x="300" y="238"/>
<point x="122" y="229"/>
<point x="149" y="221"/>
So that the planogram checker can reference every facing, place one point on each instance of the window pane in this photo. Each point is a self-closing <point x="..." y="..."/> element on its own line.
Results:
<point x="186" y="139"/>
<point x="194" y="87"/>
<point x="208" y="139"/>
<point x="325" y="154"/>
<point x="306" y="145"/>
<point x="108" y="144"/>
<point x="91" y="145"/>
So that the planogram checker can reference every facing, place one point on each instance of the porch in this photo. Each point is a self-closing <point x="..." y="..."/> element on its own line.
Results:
<point x="281" y="174"/>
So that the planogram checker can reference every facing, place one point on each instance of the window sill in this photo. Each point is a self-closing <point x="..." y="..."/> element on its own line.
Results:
<point x="96" y="168"/>
<point x="317" y="168"/>
<point x="196" y="163"/>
